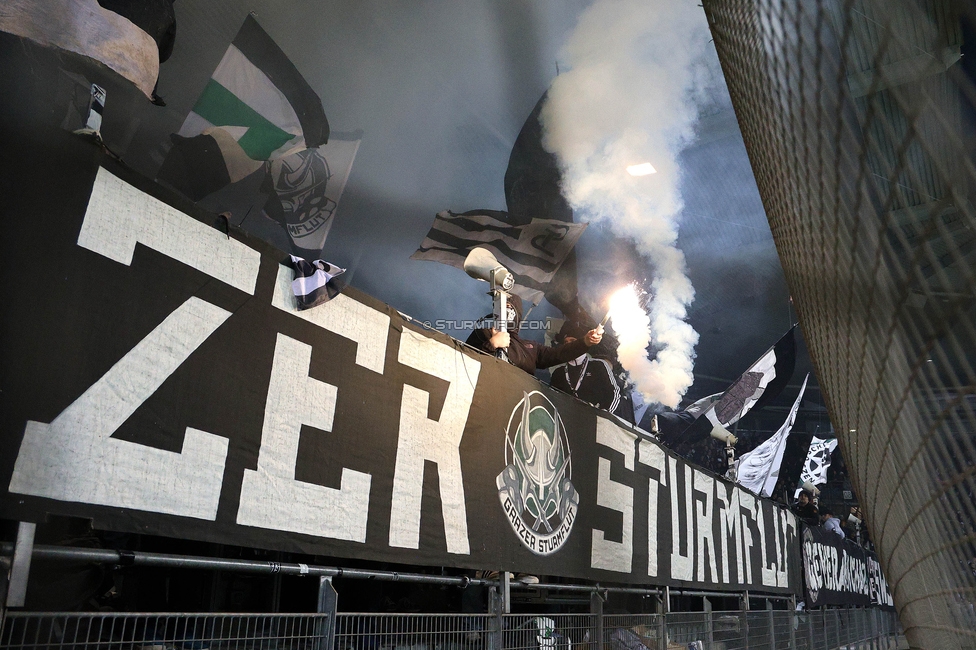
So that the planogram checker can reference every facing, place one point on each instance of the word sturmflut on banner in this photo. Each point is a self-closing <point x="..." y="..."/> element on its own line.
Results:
<point x="312" y="431"/>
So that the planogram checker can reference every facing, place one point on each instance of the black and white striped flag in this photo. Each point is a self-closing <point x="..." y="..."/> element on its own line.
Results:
<point x="315" y="282"/>
<point x="533" y="252"/>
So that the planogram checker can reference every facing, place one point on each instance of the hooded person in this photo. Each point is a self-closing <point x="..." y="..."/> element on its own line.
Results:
<point x="529" y="355"/>
<point x="589" y="377"/>
<point x="805" y="509"/>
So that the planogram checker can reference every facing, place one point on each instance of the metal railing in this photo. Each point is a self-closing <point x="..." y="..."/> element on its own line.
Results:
<point x="143" y="631"/>
<point x="443" y="631"/>
<point x="766" y="629"/>
<point x="728" y="630"/>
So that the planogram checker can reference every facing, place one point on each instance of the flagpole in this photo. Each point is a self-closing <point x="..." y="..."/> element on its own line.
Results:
<point x="730" y="448"/>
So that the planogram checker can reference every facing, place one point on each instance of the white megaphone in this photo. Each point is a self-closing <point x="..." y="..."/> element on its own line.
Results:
<point x="724" y="435"/>
<point x="480" y="264"/>
<point x="856" y="522"/>
<point x="811" y="488"/>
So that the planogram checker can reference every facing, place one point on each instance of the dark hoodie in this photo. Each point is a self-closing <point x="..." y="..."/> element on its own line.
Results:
<point x="528" y="355"/>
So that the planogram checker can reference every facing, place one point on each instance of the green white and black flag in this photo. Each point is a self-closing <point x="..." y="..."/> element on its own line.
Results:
<point x="255" y="110"/>
<point x="533" y="252"/>
<point x="258" y="96"/>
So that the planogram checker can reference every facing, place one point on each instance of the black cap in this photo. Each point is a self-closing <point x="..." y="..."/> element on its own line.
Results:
<point x="572" y="328"/>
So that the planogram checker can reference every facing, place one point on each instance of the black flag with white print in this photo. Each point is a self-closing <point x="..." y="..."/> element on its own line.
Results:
<point x="817" y="463"/>
<point x="762" y="382"/>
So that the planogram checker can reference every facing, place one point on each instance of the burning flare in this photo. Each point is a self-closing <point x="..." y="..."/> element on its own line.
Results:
<point x="667" y="377"/>
<point x="634" y="71"/>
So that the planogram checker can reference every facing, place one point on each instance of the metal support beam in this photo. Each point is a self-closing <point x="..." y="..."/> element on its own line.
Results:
<point x="327" y="604"/>
<point x="4" y="576"/>
<point x="709" y="619"/>
<point x="823" y="627"/>
<point x="665" y="610"/>
<point x="662" y="633"/>
<point x="20" y="566"/>
<point x="167" y="560"/>
<point x="810" y="618"/>
<point x="139" y="558"/>
<point x="328" y="596"/>
<point x="554" y="586"/>
<point x="596" y="611"/>
<point x="920" y="215"/>
<point x="497" y="622"/>
<point x="794" y="621"/>
<point x="745" y="618"/>
<point x="505" y="591"/>
<point x="276" y="588"/>
<point x="914" y="68"/>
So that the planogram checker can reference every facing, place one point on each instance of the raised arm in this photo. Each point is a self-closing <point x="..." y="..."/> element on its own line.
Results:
<point x="557" y="354"/>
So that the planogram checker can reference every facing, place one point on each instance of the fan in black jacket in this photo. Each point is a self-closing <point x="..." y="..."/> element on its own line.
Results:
<point x="589" y="378"/>
<point x="529" y="355"/>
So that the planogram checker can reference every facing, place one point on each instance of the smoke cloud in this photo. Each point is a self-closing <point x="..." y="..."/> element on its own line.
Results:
<point x="636" y="72"/>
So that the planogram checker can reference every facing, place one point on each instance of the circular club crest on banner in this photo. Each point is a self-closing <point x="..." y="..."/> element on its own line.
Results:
<point x="811" y="564"/>
<point x="535" y="488"/>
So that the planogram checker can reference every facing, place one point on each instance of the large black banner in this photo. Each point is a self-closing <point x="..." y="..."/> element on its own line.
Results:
<point x="839" y="572"/>
<point x="157" y="378"/>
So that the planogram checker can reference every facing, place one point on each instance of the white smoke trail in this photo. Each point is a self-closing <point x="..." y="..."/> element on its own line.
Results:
<point x="629" y="98"/>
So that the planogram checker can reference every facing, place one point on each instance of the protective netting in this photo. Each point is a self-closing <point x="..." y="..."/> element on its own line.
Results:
<point x="859" y="119"/>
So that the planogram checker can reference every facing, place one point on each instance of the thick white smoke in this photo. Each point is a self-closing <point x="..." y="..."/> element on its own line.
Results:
<point x="635" y="68"/>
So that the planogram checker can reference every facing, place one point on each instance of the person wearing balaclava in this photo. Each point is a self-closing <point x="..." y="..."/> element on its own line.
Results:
<point x="529" y="355"/>
<point x="586" y="377"/>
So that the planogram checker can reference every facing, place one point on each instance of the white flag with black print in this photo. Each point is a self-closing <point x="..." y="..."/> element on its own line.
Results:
<point x="533" y="252"/>
<point x="817" y="463"/>
<point x="758" y="470"/>
<point x="764" y="378"/>
<point x="315" y="282"/>
<point x="761" y="383"/>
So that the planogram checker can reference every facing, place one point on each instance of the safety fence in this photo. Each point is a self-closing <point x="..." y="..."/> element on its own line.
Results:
<point x="169" y="631"/>
<point x="728" y="630"/>
<point x="858" y="118"/>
